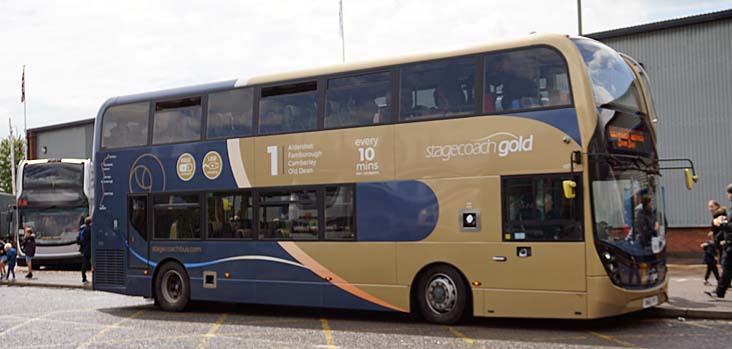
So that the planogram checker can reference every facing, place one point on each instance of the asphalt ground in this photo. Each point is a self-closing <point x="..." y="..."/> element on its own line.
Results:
<point x="34" y="317"/>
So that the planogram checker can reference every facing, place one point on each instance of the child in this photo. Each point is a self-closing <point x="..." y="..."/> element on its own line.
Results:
<point x="12" y="254"/>
<point x="710" y="254"/>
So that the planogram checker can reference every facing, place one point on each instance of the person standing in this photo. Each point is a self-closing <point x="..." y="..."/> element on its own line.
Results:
<point x="725" y="238"/>
<point x="29" y="247"/>
<point x="84" y="242"/>
<point x="11" y="253"/>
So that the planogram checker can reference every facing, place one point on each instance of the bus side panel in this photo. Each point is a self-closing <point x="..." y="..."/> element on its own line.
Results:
<point x="533" y="304"/>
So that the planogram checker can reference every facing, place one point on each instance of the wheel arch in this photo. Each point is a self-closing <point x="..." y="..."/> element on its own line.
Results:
<point x="159" y="265"/>
<point x="422" y="271"/>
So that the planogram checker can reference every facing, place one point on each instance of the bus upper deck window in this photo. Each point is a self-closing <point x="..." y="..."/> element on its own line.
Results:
<point x="437" y="89"/>
<point x="177" y="121"/>
<point x="525" y="79"/>
<point x="125" y="126"/>
<point x="288" y="108"/>
<point x="230" y="113"/>
<point x="358" y="100"/>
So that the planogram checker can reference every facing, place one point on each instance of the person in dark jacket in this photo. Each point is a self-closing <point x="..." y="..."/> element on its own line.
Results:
<point x="84" y="242"/>
<point x="710" y="259"/>
<point x="29" y="247"/>
<point x="725" y="241"/>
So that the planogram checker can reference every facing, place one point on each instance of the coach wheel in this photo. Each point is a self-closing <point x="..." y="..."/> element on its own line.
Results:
<point x="442" y="295"/>
<point x="172" y="287"/>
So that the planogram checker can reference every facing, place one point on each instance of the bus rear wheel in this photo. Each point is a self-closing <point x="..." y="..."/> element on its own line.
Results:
<point x="172" y="287"/>
<point x="442" y="296"/>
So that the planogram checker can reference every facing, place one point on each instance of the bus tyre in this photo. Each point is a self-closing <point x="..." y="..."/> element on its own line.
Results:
<point x="442" y="295"/>
<point x="172" y="287"/>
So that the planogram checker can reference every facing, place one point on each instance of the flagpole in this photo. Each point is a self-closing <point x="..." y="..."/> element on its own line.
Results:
<point x="25" y="120"/>
<point x="12" y="155"/>
<point x="343" y="34"/>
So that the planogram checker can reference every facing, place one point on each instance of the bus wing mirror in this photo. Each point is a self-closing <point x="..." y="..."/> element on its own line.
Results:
<point x="690" y="178"/>
<point x="569" y="187"/>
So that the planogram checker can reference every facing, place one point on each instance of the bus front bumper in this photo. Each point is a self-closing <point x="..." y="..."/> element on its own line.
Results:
<point x="606" y="299"/>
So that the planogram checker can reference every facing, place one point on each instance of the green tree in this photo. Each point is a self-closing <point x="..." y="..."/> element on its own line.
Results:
<point x="5" y="176"/>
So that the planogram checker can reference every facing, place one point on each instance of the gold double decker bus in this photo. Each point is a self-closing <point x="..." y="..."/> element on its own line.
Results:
<point x="515" y="179"/>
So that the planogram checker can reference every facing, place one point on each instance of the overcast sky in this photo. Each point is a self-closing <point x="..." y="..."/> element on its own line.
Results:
<point x="79" y="53"/>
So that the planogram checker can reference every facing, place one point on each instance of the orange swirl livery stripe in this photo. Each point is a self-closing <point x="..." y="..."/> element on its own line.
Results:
<point x="338" y="281"/>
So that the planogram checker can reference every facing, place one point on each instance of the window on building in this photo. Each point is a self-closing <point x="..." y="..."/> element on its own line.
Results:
<point x="288" y="108"/>
<point x="230" y="216"/>
<point x="125" y="126"/>
<point x="525" y="79"/>
<point x="289" y="215"/>
<point x="358" y="100"/>
<point x="137" y="211"/>
<point x="177" y="121"/>
<point x="339" y="218"/>
<point x="438" y="89"/>
<point x="534" y="209"/>
<point x="177" y="217"/>
<point x="230" y="113"/>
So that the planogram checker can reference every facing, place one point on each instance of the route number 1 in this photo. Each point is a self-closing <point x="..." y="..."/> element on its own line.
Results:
<point x="273" y="159"/>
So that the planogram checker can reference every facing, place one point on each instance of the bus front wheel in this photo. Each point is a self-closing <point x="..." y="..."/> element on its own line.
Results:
<point x="442" y="295"/>
<point x="172" y="287"/>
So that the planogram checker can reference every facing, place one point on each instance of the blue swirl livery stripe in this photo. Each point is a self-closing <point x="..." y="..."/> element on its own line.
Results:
<point x="219" y="261"/>
<point x="242" y="258"/>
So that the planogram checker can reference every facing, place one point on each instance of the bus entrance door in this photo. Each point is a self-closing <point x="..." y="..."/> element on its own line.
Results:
<point x="137" y="239"/>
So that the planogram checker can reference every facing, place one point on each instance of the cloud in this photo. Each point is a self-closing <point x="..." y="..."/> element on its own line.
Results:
<point x="79" y="53"/>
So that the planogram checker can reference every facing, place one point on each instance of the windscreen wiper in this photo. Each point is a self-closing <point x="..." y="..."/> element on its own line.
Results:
<point x="617" y="107"/>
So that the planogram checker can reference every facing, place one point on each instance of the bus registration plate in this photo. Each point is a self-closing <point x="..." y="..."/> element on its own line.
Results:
<point x="650" y="302"/>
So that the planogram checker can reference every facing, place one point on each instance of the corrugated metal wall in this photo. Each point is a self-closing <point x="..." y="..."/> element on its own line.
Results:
<point x="691" y="73"/>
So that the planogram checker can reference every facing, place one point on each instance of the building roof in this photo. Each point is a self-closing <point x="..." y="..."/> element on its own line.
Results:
<point x="663" y="25"/>
<point x="61" y="126"/>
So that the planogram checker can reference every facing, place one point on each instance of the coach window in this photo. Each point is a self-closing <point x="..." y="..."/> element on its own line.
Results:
<point x="125" y="126"/>
<point x="288" y="108"/>
<point x="289" y="215"/>
<point x="339" y="218"/>
<point x="438" y="89"/>
<point x="137" y="211"/>
<point x="535" y="209"/>
<point x="177" y="217"/>
<point x="358" y="100"/>
<point x="230" y="113"/>
<point x="177" y="121"/>
<point x="525" y="79"/>
<point x="230" y="216"/>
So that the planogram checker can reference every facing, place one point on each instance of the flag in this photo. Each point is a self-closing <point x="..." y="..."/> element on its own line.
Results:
<point x="22" y="87"/>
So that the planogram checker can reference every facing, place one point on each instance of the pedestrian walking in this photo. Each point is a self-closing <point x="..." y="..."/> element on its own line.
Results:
<point x="3" y="260"/>
<point x="710" y="259"/>
<point x="84" y="242"/>
<point x="713" y="206"/>
<point x="11" y="253"/>
<point x="725" y="241"/>
<point x="29" y="247"/>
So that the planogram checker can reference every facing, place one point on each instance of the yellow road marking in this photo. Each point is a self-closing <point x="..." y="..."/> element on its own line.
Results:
<point x="109" y="327"/>
<point x="328" y="334"/>
<point x="459" y="334"/>
<point x="613" y="339"/>
<point x="212" y="331"/>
